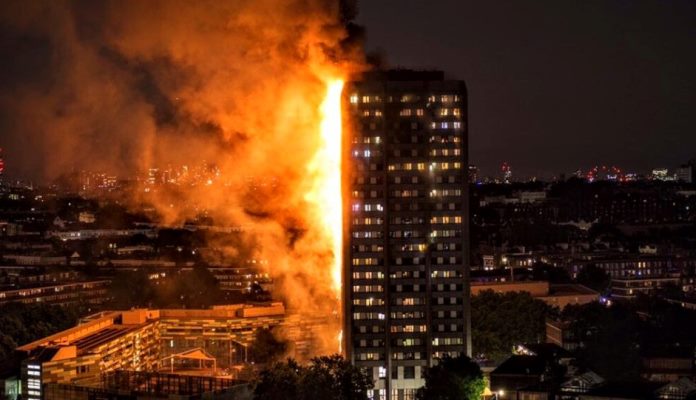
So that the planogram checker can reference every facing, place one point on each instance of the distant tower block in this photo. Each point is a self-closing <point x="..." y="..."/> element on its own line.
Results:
<point x="507" y="172"/>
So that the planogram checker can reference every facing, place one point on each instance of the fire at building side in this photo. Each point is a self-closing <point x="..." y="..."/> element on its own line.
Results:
<point x="402" y="281"/>
<point x="242" y="171"/>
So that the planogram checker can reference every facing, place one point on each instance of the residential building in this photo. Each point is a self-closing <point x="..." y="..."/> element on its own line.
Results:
<point x="90" y="292"/>
<point x="628" y="288"/>
<point x="685" y="173"/>
<point x="147" y="340"/>
<point x="555" y="295"/>
<point x="406" y="254"/>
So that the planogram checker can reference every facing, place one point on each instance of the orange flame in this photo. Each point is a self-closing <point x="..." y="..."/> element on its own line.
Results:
<point x="325" y="194"/>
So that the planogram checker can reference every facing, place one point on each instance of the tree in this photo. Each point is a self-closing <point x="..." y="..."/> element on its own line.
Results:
<point x="131" y="289"/>
<point x="280" y="381"/>
<point x="198" y="288"/>
<point x="501" y="320"/>
<point x="546" y="272"/>
<point x="325" y="378"/>
<point x="611" y="339"/>
<point x="266" y="347"/>
<point x="594" y="278"/>
<point x="7" y="348"/>
<point x="453" y="379"/>
<point x="23" y="323"/>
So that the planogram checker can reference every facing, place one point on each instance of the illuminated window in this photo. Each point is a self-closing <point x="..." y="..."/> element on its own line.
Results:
<point x="354" y="99"/>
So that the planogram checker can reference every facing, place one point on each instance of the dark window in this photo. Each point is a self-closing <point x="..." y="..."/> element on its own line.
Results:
<point x="409" y="372"/>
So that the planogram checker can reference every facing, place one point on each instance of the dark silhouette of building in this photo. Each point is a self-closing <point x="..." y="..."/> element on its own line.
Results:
<point x="406" y="259"/>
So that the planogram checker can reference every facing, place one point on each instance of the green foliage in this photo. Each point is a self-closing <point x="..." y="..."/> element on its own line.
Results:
<point x="501" y="320"/>
<point x="453" y="379"/>
<point x="23" y="323"/>
<point x="266" y="347"/>
<point x="325" y="378"/>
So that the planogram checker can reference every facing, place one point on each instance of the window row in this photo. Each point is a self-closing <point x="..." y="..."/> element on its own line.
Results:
<point x="368" y="302"/>
<point x="366" y="153"/>
<point x="446" y="219"/>
<point x="446" y="274"/>
<point x="444" y="152"/>
<point x="368" y="288"/>
<point x="367" y="207"/>
<point x="450" y="341"/>
<point x="445" y="192"/>
<point x="356" y="98"/>
<point x="446" y="125"/>
<point x="368" y="221"/>
<point x="407" y="301"/>
<point x="368" y="275"/>
<point x="368" y="316"/>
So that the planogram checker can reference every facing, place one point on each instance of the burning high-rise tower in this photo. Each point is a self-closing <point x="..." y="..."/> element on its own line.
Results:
<point x="406" y="277"/>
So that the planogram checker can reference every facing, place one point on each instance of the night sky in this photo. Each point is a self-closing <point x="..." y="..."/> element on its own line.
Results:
<point x="556" y="85"/>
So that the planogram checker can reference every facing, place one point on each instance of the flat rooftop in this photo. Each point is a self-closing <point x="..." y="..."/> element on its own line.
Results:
<point x="98" y="329"/>
<point x="569" y="290"/>
<point x="101" y="337"/>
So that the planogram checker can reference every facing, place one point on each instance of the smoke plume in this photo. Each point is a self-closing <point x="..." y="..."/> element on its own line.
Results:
<point x="123" y="86"/>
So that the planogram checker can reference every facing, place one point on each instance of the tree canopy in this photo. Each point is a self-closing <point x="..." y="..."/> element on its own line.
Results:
<point x="501" y="320"/>
<point x="23" y="323"/>
<point x="196" y="288"/>
<point x="266" y="347"/>
<point x="594" y="278"/>
<point x="453" y="379"/>
<point x="324" y="378"/>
